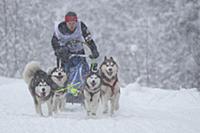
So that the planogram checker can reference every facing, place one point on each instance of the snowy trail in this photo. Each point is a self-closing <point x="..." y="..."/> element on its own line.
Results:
<point x="143" y="110"/>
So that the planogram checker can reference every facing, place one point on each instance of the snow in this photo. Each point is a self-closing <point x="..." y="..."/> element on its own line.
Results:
<point x="142" y="110"/>
<point x="134" y="48"/>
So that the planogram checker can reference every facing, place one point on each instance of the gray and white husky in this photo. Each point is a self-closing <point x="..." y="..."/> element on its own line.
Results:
<point x="59" y="76"/>
<point x="92" y="93"/>
<point x="110" y="85"/>
<point x="40" y="86"/>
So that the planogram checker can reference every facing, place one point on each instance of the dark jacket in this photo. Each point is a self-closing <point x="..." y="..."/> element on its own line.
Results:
<point x="85" y="33"/>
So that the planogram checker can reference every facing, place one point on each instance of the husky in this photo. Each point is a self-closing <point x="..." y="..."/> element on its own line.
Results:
<point x="59" y="76"/>
<point x="110" y="85"/>
<point x="91" y="93"/>
<point x="40" y="86"/>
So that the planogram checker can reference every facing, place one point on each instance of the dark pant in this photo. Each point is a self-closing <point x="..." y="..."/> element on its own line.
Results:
<point x="77" y="69"/>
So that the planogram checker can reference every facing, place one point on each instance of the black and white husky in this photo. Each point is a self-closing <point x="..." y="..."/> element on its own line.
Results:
<point x="110" y="85"/>
<point x="92" y="93"/>
<point x="40" y="86"/>
<point x="59" y="76"/>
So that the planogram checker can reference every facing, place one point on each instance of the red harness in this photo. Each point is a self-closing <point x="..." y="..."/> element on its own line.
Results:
<point x="111" y="86"/>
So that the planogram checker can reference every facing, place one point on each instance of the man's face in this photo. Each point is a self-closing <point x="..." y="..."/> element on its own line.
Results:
<point x="71" y="25"/>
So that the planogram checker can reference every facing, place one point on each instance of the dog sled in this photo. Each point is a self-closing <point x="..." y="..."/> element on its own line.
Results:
<point x="76" y="79"/>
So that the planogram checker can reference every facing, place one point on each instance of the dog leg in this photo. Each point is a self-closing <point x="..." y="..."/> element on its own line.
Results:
<point x="36" y="106"/>
<point x="112" y="105"/>
<point x="116" y="102"/>
<point x="105" y="103"/>
<point x="40" y="109"/>
<point x="59" y="104"/>
<point x="95" y="104"/>
<point x="55" y="105"/>
<point x="62" y="106"/>
<point x="87" y="107"/>
<point x="88" y="113"/>
<point x="94" y="109"/>
<point x="49" y="105"/>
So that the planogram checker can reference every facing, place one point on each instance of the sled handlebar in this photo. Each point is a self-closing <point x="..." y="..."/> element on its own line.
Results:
<point x="79" y="55"/>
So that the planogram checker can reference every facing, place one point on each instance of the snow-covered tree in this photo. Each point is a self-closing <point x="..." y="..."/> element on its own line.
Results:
<point x="156" y="42"/>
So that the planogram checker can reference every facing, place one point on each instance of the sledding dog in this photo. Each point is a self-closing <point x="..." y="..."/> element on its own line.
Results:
<point x="59" y="76"/>
<point x="92" y="93"/>
<point x="110" y="85"/>
<point x="40" y="86"/>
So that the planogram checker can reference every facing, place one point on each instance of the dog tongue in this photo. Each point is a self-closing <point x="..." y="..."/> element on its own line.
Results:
<point x="60" y="77"/>
<point x="110" y="73"/>
<point x="93" y="84"/>
<point x="43" y="94"/>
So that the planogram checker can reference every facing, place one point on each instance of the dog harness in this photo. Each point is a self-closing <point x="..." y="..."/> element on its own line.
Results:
<point x="104" y="79"/>
<point x="92" y="93"/>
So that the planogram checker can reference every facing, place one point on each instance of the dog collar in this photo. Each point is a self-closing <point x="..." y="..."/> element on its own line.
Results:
<point x="104" y="77"/>
<point x="95" y="89"/>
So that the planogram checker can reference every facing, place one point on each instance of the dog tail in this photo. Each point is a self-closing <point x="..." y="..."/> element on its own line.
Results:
<point x="30" y="69"/>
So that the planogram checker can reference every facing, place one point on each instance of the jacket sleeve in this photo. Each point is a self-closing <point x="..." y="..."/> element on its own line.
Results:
<point x="87" y="36"/>
<point x="55" y="42"/>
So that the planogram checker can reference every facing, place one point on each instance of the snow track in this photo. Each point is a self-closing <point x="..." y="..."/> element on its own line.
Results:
<point x="142" y="110"/>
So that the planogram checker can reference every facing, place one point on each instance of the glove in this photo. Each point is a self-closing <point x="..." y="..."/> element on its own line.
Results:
<point x="94" y="55"/>
<point x="93" y="67"/>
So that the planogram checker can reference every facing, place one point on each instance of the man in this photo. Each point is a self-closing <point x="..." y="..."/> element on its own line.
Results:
<point x="68" y="39"/>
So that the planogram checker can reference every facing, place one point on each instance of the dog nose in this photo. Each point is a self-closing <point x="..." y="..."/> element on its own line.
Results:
<point x="43" y="89"/>
<point x="93" y="81"/>
<point x="110" y="69"/>
<point x="59" y="74"/>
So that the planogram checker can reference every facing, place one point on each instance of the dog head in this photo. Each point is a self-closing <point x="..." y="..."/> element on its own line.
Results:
<point x="109" y="67"/>
<point x="42" y="84"/>
<point x="93" y="80"/>
<point x="59" y="76"/>
<point x="42" y="89"/>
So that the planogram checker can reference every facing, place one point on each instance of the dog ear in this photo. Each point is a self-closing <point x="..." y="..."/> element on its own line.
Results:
<point x="105" y="58"/>
<point x="111" y="58"/>
<point x="49" y="70"/>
